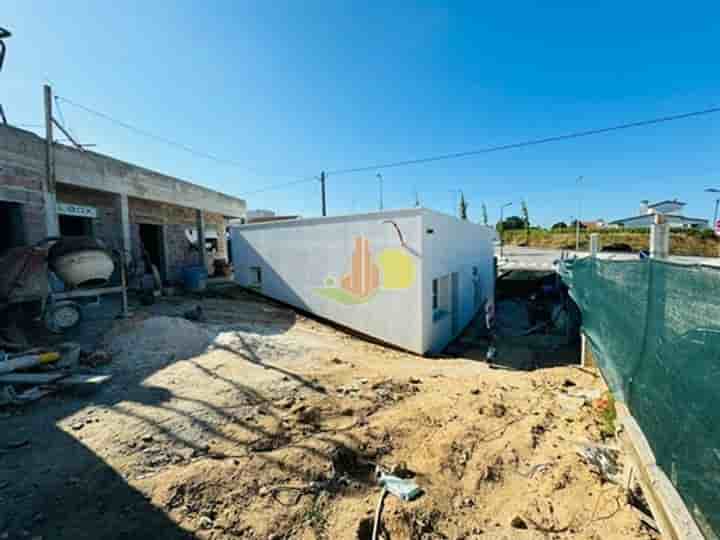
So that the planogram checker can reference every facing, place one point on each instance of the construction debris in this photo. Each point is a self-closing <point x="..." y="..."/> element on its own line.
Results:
<point x="17" y="362"/>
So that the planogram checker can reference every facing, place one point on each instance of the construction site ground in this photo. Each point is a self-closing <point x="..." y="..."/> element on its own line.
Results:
<point x="259" y="423"/>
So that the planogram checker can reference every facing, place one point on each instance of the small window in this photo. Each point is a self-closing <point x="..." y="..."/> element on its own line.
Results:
<point x="255" y="276"/>
<point x="441" y="297"/>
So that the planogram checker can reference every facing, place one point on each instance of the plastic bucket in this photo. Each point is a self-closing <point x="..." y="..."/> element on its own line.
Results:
<point x="195" y="278"/>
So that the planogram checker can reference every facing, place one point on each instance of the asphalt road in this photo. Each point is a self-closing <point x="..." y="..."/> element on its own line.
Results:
<point x="543" y="259"/>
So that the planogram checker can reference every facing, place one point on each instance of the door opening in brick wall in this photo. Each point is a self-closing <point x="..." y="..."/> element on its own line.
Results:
<point x="12" y="231"/>
<point x="151" y="238"/>
<point x="75" y="226"/>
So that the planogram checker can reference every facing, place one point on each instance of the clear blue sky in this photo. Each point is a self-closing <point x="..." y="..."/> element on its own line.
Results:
<point x="287" y="89"/>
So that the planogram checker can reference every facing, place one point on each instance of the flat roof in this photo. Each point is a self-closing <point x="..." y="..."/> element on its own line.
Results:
<point x="380" y="215"/>
<point x="92" y="170"/>
<point x="301" y="222"/>
<point x="652" y="217"/>
<point x="653" y="205"/>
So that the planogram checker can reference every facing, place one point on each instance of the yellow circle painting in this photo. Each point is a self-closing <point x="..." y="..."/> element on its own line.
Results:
<point x="397" y="268"/>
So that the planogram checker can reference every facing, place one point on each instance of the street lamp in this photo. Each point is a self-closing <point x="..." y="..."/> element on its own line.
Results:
<point x="380" y="180"/>
<point x="717" y="200"/>
<point x="502" y="226"/>
<point x="577" y="220"/>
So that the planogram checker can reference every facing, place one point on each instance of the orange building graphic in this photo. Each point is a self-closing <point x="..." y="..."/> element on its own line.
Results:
<point x="364" y="277"/>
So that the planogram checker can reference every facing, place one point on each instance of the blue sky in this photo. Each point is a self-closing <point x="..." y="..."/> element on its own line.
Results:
<point x="287" y="89"/>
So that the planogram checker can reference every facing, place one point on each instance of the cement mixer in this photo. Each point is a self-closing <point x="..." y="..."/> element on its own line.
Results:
<point x="81" y="262"/>
<point x="83" y="265"/>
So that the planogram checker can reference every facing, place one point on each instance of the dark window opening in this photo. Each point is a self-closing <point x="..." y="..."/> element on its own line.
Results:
<point x="75" y="226"/>
<point x="255" y="276"/>
<point x="12" y="233"/>
<point x="151" y="241"/>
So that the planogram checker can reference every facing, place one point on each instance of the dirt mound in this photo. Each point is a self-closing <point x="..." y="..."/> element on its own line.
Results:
<point x="158" y="339"/>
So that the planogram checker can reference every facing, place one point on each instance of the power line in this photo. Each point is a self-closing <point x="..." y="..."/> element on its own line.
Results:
<point x="160" y="138"/>
<point x="531" y="142"/>
<point x="280" y="186"/>
<point x="511" y="146"/>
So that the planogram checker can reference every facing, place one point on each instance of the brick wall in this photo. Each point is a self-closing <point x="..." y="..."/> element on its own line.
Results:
<point x="106" y="226"/>
<point x="175" y="219"/>
<point x="24" y="186"/>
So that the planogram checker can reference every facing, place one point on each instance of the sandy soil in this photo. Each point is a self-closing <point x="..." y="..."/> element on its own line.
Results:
<point x="274" y="432"/>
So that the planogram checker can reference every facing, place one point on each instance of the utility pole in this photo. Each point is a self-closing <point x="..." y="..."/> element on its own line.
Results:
<point x="715" y="217"/>
<point x="380" y="180"/>
<point x="322" y="191"/>
<point x="3" y="34"/>
<point x="51" y="219"/>
<point x="577" y="220"/>
<point x="417" y="199"/>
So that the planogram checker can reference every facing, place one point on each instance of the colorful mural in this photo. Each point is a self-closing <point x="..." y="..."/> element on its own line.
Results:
<point x="393" y="269"/>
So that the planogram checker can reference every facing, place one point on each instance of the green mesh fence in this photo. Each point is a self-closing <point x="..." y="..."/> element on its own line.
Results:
<point x="654" y="330"/>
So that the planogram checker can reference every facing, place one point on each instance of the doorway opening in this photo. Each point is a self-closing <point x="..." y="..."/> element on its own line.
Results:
<point x="536" y="324"/>
<point x="12" y="232"/>
<point x="75" y="225"/>
<point x="151" y="239"/>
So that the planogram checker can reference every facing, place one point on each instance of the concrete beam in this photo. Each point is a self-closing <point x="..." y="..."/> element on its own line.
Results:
<point x="668" y="509"/>
<point x="52" y="224"/>
<point x="96" y="171"/>
<point x="124" y="213"/>
<point x="594" y="244"/>
<point x="201" y="237"/>
<point x="659" y="238"/>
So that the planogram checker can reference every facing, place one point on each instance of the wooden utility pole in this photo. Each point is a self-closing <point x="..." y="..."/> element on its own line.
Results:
<point x="322" y="189"/>
<point x="51" y="218"/>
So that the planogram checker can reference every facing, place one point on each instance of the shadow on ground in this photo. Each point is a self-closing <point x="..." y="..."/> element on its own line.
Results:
<point x="54" y="486"/>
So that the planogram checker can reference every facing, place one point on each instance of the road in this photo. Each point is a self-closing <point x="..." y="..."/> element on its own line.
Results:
<point x="515" y="257"/>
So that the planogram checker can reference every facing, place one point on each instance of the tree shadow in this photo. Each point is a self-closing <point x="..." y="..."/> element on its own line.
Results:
<point x="53" y="485"/>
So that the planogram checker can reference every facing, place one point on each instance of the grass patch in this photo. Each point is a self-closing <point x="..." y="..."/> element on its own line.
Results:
<point x="607" y="415"/>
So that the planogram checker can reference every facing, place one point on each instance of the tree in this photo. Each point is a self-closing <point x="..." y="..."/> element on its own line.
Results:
<point x="463" y="207"/>
<point x="573" y="224"/>
<point x="526" y="219"/>
<point x="512" y="223"/>
<point x="484" y="214"/>
<point x="559" y="225"/>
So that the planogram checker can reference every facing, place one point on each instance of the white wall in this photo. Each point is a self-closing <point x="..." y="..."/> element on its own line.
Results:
<point x="455" y="246"/>
<point x="297" y="257"/>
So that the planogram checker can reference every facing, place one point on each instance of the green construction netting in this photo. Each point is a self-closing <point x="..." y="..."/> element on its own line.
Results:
<point x="654" y="330"/>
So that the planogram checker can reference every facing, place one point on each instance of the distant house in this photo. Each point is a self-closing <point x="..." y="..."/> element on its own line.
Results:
<point x="671" y="210"/>
<point x="597" y="224"/>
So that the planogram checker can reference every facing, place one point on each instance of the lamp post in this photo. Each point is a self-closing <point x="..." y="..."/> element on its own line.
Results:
<point x="502" y="226"/>
<point x="717" y="200"/>
<point x="380" y="180"/>
<point x="577" y="220"/>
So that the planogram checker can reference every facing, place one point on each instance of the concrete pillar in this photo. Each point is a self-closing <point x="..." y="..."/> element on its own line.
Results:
<point x="586" y="358"/>
<point x="124" y="212"/>
<point x="659" y="238"/>
<point x="594" y="244"/>
<point x="201" y="237"/>
<point x="52" y="225"/>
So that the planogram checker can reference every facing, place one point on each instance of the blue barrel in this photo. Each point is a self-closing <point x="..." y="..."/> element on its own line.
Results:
<point x="195" y="278"/>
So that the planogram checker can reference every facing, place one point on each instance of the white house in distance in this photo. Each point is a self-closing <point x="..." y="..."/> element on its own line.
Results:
<point x="671" y="210"/>
<point x="412" y="278"/>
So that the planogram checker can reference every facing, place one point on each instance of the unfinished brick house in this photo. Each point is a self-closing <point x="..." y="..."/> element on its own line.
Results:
<point x="128" y="207"/>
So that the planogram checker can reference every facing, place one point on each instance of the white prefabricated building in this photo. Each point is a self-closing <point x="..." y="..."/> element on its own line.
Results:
<point x="413" y="278"/>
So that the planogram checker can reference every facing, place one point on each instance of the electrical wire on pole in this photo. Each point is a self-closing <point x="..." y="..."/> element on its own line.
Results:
<point x="418" y="161"/>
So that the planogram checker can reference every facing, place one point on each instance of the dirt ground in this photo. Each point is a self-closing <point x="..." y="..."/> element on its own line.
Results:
<point x="273" y="429"/>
